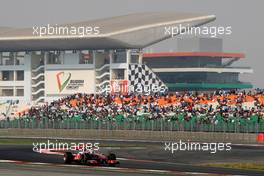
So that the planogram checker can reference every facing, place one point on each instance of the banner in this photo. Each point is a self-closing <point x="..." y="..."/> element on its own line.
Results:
<point x="119" y="86"/>
<point x="69" y="81"/>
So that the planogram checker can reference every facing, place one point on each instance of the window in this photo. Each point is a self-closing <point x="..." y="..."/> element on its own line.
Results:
<point x="119" y="57"/>
<point x="134" y="59"/>
<point x="86" y="57"/>
<point x="54" y="58"/>
<point x="20" y="92"/>
<point x="118" y="74"/>
<point x="20" y="60"/>
<point x="7" y="76"/>
<point x="20" y="75"/>
<point x="7" y="60"/>
<point x="6" y="92"/>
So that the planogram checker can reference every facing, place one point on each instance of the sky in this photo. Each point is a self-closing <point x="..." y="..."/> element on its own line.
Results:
<point x="245" y="17"/>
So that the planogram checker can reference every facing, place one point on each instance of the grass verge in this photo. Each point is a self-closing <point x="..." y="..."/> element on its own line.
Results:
<point x="254" y="166"/>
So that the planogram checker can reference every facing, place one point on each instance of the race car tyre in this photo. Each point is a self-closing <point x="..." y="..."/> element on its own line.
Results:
<point x="111" y="156"/>
<point x="68" y="157"/>
<point x="102" y="162"/>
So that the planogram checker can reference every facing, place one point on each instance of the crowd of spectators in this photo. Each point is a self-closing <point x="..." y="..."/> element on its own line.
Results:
<point x="226" y="104"/>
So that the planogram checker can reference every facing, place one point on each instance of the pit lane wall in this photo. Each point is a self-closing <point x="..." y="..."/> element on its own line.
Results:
<point x="175" y="136"/>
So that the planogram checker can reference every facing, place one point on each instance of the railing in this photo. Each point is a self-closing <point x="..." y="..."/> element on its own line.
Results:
<point x="103" y="67"/>
<point x="38" y="91"/>
<point x="39" y="99"/>
<point x="135" y="124"/>
<point x="102" y="83"/>
<point x="102" y="75"/>
<point x="38" y="68"/>
<point x="39" y="75"/>
<point x="38" y="83"/>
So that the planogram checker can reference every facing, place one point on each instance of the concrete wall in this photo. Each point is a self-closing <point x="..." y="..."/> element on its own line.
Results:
<point x="175" y="136"/>
<point x="71" y="58"/>
<point x="199" y="44"/>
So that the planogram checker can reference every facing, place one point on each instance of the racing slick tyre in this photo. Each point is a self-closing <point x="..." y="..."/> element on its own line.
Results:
<point x="111" y="156"/>
<point x="68" y="157"/>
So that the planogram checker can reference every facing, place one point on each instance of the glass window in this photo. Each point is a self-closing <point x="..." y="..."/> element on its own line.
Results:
<point x="7" y="76"/>
<point x="119" y="57"/>
<point x="20" y="92"/>
<point x="20" y="75"/>
<point x="6" y="92"/>
<point x="6" y="58"/>
<point x="118" y="74"/>
<point x="86" y="57"/>
<point x="12" y="58"/>
<point x="134" y="59"/>
<point x="20" y="60"/>
<point x="54" y="58"/>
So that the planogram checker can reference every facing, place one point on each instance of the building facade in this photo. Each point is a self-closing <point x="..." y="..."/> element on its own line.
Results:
<point x="40" y="69"/>
<point x="199" y="64"/>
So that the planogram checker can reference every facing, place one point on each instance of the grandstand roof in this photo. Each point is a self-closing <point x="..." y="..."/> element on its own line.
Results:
<point x="127" y="31"/>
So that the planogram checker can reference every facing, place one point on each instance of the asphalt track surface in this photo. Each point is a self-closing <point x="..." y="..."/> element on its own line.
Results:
<point x="137" y="158"/>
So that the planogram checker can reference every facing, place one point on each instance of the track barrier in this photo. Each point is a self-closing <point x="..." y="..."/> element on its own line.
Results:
<point x="260" y="137"/>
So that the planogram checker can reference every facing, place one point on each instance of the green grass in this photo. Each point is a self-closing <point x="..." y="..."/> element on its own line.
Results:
<point x="254" y="166"/>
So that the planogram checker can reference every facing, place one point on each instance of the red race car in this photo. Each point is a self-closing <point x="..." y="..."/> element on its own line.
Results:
<point x="90" y="157"/>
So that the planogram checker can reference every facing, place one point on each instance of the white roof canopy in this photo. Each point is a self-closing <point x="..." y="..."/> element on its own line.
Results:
<point x="128" y="31"/>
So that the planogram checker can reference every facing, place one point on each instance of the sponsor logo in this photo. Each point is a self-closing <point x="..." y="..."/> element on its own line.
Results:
<point x="63" y="80"/>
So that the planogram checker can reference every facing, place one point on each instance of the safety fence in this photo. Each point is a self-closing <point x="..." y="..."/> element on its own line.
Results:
<point x="161" y="124"/>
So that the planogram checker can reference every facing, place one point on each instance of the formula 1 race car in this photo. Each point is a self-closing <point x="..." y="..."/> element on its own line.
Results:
<point x="90" y="158"/>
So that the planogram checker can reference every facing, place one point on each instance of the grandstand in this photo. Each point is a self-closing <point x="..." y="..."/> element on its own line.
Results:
<point x="223" y="111"/>
<point x="39" y="69"/>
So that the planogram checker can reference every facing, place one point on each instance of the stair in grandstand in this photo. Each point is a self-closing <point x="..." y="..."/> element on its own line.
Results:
<point x="38" y="84"/>
<point x="102" y="78"/>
